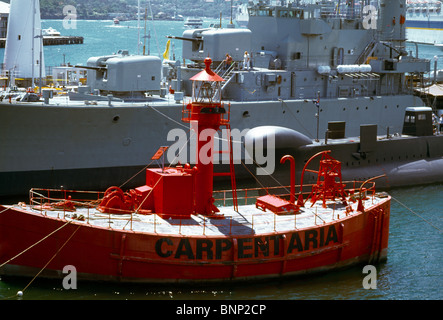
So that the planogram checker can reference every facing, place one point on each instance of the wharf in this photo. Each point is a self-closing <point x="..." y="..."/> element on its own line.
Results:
<point x="53" y="40"/>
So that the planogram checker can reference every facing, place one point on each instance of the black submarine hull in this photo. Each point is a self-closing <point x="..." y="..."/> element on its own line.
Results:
<point x="404" y="160"/>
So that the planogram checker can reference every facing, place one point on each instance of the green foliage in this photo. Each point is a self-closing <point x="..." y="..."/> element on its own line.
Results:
<point x="108" y="9"/>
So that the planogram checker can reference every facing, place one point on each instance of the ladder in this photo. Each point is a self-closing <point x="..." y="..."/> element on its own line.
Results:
<point x="370" y="48"/>
<point x="225" y="74"/>
<point x="231" y="173"/>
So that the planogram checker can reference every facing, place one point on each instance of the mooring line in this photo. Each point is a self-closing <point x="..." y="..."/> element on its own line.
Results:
<point x="52" y="258"/>
<point x="168" y="117"/>
<point x="405" y="206"/>
<point x="20" y="293"/>
<point x="6" y="209"/>
<point x="33" y="245"/>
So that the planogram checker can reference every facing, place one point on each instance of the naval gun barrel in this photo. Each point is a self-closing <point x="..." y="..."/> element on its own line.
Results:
<point x="182" y="38"/>
<point x="93" y="68"/>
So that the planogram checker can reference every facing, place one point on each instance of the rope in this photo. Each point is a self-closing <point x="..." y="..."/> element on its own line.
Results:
<point x="79" y="203"/>
<point x="78" y="227"/>
<point x="415" y="213"/>
<point x="253" y="176"/>
<point x="155" y="32"/>
<point x="33" y="245"/>
<point x="269" y="174"/>
<point x="283" y="103"/>
<point x="406" y="207"/>
<point x="184" y="145"/>
<point x="184" y="126"/>
<point x="4" y="210"/>
<point x="168" y="117"/>
<point x="20" y="293"/>
<point x="143" y="169"/>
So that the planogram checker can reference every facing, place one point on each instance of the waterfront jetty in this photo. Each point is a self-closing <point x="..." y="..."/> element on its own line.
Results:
<point x="53" y="40"/>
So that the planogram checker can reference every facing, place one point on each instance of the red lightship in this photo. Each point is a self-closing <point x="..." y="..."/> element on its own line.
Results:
<point x="175" y="228"/>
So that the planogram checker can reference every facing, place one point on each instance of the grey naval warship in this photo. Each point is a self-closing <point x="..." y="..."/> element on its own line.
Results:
<point x="310" y="64"/>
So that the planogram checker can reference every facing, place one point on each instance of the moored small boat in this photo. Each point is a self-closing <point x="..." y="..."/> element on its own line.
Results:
<point x="193" y="23"/>
<point x="175" y="228"/>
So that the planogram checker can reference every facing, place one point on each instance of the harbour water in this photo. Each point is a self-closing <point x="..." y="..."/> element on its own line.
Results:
<point x="415" y="260"/>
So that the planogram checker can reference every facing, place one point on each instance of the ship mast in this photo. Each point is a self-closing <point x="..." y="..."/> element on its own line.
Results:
<point x="33" y="43"/>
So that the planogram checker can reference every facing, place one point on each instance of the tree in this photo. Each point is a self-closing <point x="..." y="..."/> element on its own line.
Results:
<point x="103" y="9"/>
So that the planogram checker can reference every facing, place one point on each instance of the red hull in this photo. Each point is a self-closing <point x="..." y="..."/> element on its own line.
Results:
<point x="100" y="253"/>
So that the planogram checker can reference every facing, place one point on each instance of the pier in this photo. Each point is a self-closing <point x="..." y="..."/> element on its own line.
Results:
<point x="53" y="40"/>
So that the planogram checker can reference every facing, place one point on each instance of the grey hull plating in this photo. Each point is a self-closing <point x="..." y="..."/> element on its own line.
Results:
<point x="74" y="136"/>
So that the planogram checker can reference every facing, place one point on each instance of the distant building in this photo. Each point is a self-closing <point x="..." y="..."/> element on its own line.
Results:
<point x="4" y="14"/>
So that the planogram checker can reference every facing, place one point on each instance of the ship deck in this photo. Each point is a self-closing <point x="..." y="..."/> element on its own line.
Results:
<point x="248" y="220"/>
<point x="64" y="99"/>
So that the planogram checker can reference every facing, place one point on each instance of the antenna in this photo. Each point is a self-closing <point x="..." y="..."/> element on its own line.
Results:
<point x="138" y="27"/>
<point x="33" y="42"/>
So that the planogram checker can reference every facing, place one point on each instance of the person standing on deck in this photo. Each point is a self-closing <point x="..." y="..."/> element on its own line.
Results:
<point x="440" y="122"/>
<point x="246" y="61"/>
<point x="228" y="61"/>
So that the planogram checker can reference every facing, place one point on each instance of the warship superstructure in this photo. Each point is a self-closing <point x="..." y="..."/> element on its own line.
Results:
<point x="310" y="64"/>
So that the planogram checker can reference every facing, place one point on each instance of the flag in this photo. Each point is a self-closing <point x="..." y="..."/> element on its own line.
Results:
<point x="402" y="19"/>
<point x="166" y="53"/>
<point x="317" y="102"/>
